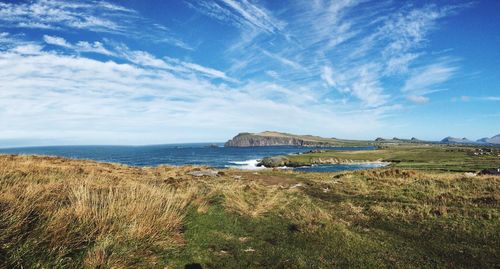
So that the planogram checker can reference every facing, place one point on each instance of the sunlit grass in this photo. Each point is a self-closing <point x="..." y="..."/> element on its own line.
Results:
<point x="56" y="212"/>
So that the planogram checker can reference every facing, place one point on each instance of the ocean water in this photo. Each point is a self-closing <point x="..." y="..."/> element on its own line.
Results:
<point x="214" y="155"/>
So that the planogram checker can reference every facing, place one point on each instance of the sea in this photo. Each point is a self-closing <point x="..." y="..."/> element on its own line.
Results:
<point x="208" y="154"/>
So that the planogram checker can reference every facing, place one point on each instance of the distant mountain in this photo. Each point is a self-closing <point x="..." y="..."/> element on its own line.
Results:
<point x="494" y="140"/>
<point x="455" y="140"/>
<point x="413" y="140"/>
<point x="483" y="140"/>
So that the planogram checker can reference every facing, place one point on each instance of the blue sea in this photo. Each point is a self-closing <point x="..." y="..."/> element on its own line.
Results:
<point x="209" y="154"/>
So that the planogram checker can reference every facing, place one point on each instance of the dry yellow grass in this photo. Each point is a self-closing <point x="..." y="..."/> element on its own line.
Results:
<point x="72" y="213"/>
<point x="66" y="208"/>
<point x="252" y="199"/>
<point x="70" y="205"/>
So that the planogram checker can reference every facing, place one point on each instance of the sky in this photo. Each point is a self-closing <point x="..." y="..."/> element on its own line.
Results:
<point x="154" y="72"/>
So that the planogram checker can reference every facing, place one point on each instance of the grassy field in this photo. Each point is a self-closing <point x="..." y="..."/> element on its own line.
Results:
<point x="60" y="213"/>
<point x="435" y="157"/>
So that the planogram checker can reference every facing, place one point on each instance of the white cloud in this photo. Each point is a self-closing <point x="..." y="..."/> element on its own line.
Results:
<point x="28" y="49"/>
<point x="327" y="75"/>
<point x="325" y="62"/>
<point x="80" y="46"/>
<point x="95" y="16"/>
<point x="56" y="14"/>
<point x="240" y="13"/>
<point x="58" y="41"/>
<point x="354" y="48"/>
<point x="426" y="79"/>
<point x="96" y="47"/>
<point x="207" y="71"/>
<point x="283" y="60"/>
<point x="272" y="74"/>
<point x="399" y="64"/>
<point x="366" y="86"/>
<point x="361" y="81"/>
<point x="52" y="95"/>
<point x="418" y="99"/>
<point x="141" y="58"/>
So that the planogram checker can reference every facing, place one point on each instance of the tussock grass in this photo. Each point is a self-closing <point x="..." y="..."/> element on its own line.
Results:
<point x="252" y="199"/>
<point x="57" y="212"/>
<point x="61" y="212"/>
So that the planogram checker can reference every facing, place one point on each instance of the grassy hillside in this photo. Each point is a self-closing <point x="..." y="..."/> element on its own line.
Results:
<point x="435" y="157"/>
<point x="59" y="213"/>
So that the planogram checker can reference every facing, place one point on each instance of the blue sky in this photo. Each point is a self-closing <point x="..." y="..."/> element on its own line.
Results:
<point x="150" y="72"/>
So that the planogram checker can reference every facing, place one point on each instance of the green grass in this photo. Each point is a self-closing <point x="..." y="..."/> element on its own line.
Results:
<point x="378" y="220"/>
<point x="59" y="213"/>
<point x="437" y="157"/>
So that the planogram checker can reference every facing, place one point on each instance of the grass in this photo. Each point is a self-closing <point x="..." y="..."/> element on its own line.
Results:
<point x="436" y="157"/>
<point x="60" y="213"/>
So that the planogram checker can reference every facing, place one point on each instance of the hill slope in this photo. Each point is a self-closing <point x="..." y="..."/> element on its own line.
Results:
<point x="284" y="139"/>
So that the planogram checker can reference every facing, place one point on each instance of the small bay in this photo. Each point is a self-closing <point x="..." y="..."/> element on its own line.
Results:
<point x="209" y="154"/>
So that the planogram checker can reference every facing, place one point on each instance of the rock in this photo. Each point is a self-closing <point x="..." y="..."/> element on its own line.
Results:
<point x="277" y="161"/>
<point x="316" y="151"/>
<point x="213" y="146"/>
<point x="379" y="139"/>
<point x="492" y="171"/>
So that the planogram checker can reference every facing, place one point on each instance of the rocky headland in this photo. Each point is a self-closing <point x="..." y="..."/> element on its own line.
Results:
<point x="269" y="138"/>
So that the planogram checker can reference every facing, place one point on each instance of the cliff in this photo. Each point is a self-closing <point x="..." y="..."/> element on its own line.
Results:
<point x="283" y="139"/>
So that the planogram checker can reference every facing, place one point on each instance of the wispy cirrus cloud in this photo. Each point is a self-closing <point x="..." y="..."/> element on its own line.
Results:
<point x="394" y="49"/>
<point x="137" y="57"/>
<point x="95" y="16"/>
<point x="80" y="46"/>
<point x="335" y="41"/>
<point x="340" y="67"/>
<point x="419" y="99"/>
<point x="240" y="13"/>
<point x="426" y="79"/>
<point x="49" y="14"/>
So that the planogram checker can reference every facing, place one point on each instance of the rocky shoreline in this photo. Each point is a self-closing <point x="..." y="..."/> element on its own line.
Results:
<point x="283" y="161"/>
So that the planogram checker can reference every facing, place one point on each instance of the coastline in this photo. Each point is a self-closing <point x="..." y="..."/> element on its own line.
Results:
<point x="165" y="214"/>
